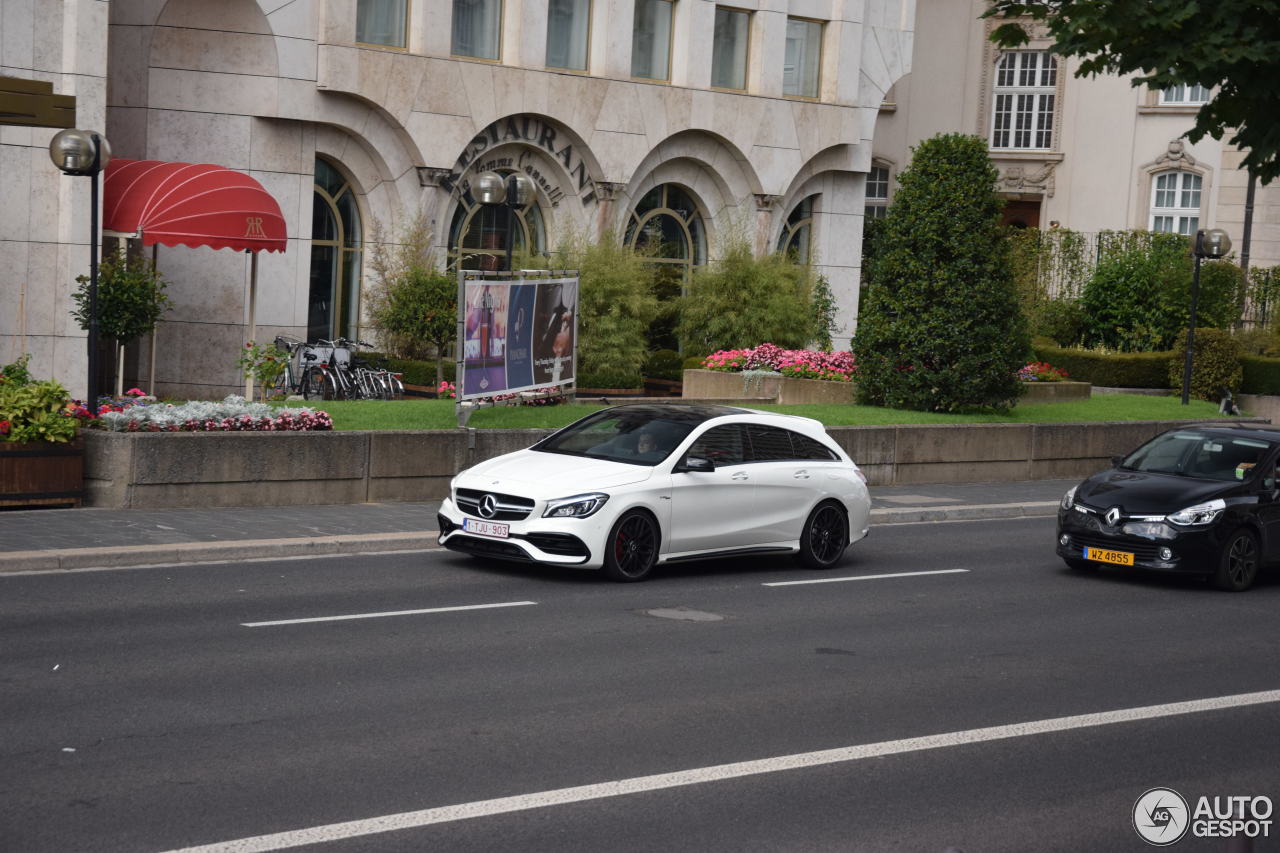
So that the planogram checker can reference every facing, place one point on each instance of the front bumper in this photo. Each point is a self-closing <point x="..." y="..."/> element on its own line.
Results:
<point x="1194" y="551"/>
<point x="558" y="542"/>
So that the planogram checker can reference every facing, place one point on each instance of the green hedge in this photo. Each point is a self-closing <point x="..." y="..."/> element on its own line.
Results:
<point x="1110" y="370"/>
<point x="1261" y="375"/>
<point x="606" y="379"/>
<point x="413" y="372"/>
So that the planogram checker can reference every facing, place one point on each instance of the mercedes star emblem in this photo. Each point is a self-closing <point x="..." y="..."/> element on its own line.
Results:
<point x="488" y="506"/>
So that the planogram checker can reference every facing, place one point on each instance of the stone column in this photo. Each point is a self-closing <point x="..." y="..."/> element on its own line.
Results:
<point x="765" y="205"/>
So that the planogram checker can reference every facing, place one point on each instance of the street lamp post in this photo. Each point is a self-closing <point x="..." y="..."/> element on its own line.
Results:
<point x="1213" y="243"/>
<point x="513" y="191"/>
<point x="86" y="153"/>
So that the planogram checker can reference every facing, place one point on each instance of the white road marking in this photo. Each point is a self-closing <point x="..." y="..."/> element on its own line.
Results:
<point x="387" y="613"/>
<point x="868" y="577"/>
<point x="719" y="773"/>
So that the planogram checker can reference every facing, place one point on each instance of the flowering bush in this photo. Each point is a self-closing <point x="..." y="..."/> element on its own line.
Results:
<point x="31" y="410"/>
<point x="1041" y="371"/>
<point x="231" y="415"/>
<point x="801" y="364"/>
<point x="263" y="364"/>
<point x="447" y="391"/>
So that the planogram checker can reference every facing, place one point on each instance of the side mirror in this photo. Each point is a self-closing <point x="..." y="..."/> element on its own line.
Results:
<point x="695" y="465"/>
<point x="1116" y="460"/>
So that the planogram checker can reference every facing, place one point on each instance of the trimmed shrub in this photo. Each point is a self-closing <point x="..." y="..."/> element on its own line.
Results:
<point x="1139" y="297"/>
<point x="664" y="364"/>
<point x="693" y="362"/>
<point x="606" y="379"/>
<point x="413" y="371"/>
<point x="1261" y="375"/>
<point x="1109" y="370"/>
<point x="1215" y="365"/>
<point x="940" y="328"/>
<point x="1063" y="320"/>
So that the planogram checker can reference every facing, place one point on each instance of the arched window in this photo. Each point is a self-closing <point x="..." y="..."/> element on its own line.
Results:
<point x="478" y="232"/>
<point x="333" y="305"/>
<point x="666" y="222"/>
<point x="666" y="225"/>
<point x="797" y="234"/>
<point x="1175" y="202"/>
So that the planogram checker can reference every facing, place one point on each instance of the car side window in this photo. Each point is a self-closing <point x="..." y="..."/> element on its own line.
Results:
<point x="769" y="444"/>
<point x="723" y="445"/>
<point x="808" y="448"/>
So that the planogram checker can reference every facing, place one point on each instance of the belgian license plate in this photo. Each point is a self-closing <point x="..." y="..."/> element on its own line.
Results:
<point x="486" y="528"/>
<point x="1118" y="558"/>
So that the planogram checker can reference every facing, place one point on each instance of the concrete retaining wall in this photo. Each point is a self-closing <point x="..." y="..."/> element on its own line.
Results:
<point x="700" y="384"/>
<point x="270" y="468"/>
<point x="1054" y="392"/>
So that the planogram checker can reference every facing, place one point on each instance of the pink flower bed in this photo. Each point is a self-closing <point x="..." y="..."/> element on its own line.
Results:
<point x="800" y="364"/>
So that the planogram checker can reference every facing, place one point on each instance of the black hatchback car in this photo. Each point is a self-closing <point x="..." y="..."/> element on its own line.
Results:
<point x="1198" y="499"/>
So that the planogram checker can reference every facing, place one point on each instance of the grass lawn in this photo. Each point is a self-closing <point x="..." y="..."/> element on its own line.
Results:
<point x="439" y="414"/>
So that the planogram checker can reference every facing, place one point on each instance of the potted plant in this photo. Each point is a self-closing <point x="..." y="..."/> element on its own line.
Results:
<point x="41" y="455"/>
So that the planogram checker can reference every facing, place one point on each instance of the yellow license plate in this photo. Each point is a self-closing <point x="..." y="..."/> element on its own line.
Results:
<point x="1118" y="558"/>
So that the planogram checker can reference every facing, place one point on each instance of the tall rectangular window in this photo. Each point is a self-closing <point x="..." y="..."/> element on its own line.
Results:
<point x="802" y="58"/>
<point x="1026" y="85"/>
<point x="568" y="22"/>
<point x="1175" y="202"/>
<point x="477" y="28"/>
<point x="877" y="195"/>
<point x="382" y="22"/>
<point x="651" y="40"/>
<point x="729" y="48"/>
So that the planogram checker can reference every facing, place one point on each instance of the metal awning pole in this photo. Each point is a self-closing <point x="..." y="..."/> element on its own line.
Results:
<point x="151" y="378"/>
<point x="253" y="322"/>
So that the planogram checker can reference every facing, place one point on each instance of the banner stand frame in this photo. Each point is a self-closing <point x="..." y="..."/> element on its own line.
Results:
<point x="464" y="408"/>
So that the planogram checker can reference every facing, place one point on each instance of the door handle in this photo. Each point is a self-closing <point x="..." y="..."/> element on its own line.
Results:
<point x="741" y="475"/>
<point x="801" y="475"/>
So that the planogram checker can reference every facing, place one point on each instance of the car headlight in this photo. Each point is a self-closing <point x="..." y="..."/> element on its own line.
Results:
<point x="1069" y="497"/>
<point x="578" y="506"/>
<point x="1154" y="529"/>
<point x="1206" y="513"/>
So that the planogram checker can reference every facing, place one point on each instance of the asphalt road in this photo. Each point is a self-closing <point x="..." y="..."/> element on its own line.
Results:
<point x="140" y="712"/>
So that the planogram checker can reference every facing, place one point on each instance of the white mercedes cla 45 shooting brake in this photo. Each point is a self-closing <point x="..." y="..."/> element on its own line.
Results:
<point x="630" y="487"/>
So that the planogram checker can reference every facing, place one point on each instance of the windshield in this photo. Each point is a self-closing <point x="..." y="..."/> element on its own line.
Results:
<point x="1196" y="454"/>
<point x="637" y="438"/>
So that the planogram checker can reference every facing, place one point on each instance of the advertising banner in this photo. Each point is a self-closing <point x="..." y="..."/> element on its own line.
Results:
<point x="518" y="335"/>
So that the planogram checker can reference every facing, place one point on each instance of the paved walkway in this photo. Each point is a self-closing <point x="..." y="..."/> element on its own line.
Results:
<point x="36" y="540"/>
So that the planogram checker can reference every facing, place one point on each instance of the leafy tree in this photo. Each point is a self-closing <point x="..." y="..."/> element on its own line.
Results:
<point x="1231" y="46"/>
<point x="131" y="300"/>
<point x="940" y="328"/>
<point x="414" y="307"/>
<point x="742" y="301"/>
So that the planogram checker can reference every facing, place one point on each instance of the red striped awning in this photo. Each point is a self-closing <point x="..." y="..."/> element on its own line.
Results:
<point x="191" y="204"/>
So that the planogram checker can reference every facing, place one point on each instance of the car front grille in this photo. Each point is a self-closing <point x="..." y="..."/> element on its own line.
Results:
<point x="1142" y="551"/>
<point x="507" y="507"/>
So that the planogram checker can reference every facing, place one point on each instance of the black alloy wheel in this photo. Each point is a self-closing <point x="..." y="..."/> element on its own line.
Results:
<point x="825" y="536"/>
<point x="1238" y="563"/>
<point x="632" y="548"/>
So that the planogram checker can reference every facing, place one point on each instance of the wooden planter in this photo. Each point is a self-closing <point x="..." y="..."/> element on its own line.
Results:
<point x="41" y="473"/>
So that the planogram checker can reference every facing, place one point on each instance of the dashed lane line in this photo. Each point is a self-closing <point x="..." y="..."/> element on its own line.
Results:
<point x="350" y="616"/>
<point x="868" y="577"/>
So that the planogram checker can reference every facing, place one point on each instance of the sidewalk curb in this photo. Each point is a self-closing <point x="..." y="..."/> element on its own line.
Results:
<point x="67" y="559"/>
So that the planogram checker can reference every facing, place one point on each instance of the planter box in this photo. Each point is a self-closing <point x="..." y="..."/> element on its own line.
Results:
<point x="41" y="473"/>
<point x="608" y="392"/>
<point x="701" y="384"/>
<point x="1054" y="392"/>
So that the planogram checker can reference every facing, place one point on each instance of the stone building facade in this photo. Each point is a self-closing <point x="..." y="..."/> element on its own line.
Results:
<point x="1089" y="154"/>
<point x="672" y="120"/>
